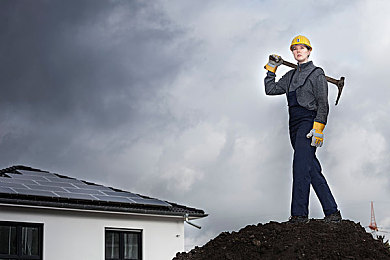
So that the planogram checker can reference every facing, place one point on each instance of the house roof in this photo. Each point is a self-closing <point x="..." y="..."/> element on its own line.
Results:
<point x="24" y="185"/>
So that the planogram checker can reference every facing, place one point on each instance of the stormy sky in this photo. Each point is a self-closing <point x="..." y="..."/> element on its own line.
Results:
<point x="166" y="99"/>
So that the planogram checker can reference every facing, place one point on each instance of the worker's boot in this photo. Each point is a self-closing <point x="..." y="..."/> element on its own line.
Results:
<point x="298" y="219"/>
<point x="333" y="218"/>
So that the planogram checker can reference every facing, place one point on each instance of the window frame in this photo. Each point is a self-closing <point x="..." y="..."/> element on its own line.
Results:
<point x="19" y="226"/>
<point x="121" y="233"/>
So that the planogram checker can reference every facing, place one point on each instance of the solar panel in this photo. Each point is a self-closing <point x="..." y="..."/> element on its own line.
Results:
<point x="20" y="181"/>
<point x="28" y="177"/>
<point x="84" y="191"/>
<point x="7" y="190"/>
<point x="46" y="184"/>
<point x="153" y="202"/>
<point x="55" y="178"/>
<point x="43" y="187"/>
<point x="73" y="181"/>
<point x="34" y="173"/>
<point x="120" y="193"/>
<point x="41" y="193"/>
<point x="52" y="183"/>
<point x="78" y="196"/>
<point x="91" y="187"/>
<point x="12" y="185"/>
<point x="114" y="199"/>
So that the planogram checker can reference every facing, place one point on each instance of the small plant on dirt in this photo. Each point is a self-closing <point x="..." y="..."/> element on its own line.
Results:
<point x="382" y="239"/>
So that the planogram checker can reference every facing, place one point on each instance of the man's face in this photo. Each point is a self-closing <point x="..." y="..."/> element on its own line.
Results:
<point x="301" y="53"/>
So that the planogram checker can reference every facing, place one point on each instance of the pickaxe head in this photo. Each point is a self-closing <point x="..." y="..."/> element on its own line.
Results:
<point x="340" y="86"/>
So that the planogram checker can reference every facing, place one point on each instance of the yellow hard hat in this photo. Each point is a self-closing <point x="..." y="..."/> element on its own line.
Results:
<point x="300" y="39"/>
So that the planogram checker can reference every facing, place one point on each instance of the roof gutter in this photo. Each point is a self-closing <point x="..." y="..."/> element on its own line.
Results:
<point x="190" y="223"/>
<point x="95" y="208"/>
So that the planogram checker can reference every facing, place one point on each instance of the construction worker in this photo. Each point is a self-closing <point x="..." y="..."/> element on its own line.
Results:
<point x="306" y="89"/>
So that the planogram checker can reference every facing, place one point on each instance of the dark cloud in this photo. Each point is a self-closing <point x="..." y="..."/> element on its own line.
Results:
<point x="73" y="67"/>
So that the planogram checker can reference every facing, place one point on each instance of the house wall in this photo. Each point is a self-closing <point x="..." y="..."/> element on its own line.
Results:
<point x="79" y="235"/>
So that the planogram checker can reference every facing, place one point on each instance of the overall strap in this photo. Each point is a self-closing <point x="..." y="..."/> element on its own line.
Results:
<point x="288" y="88"/>
<point x="308" y="76"/>
<point x="292" y="76"/>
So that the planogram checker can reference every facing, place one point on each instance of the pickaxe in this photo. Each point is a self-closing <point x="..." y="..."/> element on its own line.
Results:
<point x="339" y="83"/>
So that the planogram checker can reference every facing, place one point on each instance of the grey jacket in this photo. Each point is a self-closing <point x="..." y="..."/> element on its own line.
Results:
<point x="312" y="93"/>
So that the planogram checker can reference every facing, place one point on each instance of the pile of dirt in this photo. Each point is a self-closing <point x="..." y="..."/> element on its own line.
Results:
<point x="313" y="240"/>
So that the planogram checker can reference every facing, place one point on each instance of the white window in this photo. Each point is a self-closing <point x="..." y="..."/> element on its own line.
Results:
<point x="21" y="240"/>
<point x="123" y="244"/>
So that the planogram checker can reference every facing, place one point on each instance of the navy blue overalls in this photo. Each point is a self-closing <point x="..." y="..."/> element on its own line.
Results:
<point x="306" y="167"/>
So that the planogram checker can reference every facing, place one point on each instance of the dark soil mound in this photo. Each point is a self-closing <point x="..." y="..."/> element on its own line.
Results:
<point x="313" y="240"/>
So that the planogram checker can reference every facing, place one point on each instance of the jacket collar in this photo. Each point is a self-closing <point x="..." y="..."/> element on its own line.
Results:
<point x="305" y="66"/>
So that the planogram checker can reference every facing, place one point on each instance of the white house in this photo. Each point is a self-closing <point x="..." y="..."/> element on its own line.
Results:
<point x="48" y="216"/>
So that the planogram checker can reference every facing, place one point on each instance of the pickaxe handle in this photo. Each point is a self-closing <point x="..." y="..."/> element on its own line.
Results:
<point x="339" y="83"/>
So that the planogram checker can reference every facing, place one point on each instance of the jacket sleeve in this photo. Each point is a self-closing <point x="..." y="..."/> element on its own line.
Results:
<point x="275" y="88"/>
<point x="321" y="95"/>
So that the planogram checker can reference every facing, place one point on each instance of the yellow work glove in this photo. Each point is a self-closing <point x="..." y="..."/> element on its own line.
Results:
<point x="316" y="134"/>
<point x="273" y="62"/>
